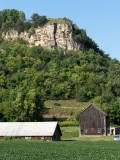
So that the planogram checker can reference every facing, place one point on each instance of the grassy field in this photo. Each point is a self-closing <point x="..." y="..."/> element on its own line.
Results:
<point x="72" y="133"/>
<point x="69" y="133"/>
<point x="63" y="150"/>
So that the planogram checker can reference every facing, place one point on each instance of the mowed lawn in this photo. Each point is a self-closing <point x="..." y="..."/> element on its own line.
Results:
<point x="63" y="150"/>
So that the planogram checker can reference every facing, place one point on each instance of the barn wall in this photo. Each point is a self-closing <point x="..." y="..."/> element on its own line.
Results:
<point x="57" y="134"/>
<point x="49" y="138"/>
<point x="93" y="122"/>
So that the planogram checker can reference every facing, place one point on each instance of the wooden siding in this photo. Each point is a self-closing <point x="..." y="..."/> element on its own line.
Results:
<point x="49" y="138"/>
<point x="1" y="138"/>
<point x="93" y="121"/>
<point x="46" y="138"/>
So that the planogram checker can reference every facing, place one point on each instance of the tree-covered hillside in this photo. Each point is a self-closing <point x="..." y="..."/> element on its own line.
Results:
<point x="28" y="76"/>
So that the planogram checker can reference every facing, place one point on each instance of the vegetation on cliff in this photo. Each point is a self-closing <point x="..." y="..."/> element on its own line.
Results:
<point x="16" y="20"/>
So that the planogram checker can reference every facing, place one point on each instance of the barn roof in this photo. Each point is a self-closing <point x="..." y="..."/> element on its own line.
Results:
<point x="27" y="128"/>
<point x="94" y="107"/>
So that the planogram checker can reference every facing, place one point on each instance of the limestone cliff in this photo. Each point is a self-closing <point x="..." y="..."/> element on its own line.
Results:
<point x="49" y="36"/>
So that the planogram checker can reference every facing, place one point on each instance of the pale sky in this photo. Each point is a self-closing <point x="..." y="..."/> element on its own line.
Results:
<point x="100" y="18"/>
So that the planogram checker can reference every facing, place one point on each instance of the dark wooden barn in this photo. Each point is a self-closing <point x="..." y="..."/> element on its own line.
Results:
<point x="94" y="121"/>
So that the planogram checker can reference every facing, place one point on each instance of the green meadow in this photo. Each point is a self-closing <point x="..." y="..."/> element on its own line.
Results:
<point x="62" y="150"/>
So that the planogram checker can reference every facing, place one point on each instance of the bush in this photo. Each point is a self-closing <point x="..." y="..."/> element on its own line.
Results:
<point x="38" y="20"/>
<point x="68" y="123"/>
<point x="9" y="138"/>
<point x="57" y="104"/>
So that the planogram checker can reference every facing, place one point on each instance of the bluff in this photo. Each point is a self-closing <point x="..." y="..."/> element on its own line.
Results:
<point x="47" y="32"/>
<point x="49" y="36"/>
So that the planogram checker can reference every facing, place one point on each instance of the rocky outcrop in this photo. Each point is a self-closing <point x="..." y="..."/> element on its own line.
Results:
<point x="49" y="36"/>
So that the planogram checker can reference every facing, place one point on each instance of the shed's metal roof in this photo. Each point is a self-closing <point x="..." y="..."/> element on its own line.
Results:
<point x="27" y="128"/>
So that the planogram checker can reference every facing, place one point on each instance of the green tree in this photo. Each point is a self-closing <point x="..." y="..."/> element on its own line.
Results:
<point x="38" y="20"/>
<point x="11" y="18"/>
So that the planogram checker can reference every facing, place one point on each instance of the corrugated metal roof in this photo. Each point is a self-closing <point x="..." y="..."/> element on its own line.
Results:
<point x="27" y="128"/>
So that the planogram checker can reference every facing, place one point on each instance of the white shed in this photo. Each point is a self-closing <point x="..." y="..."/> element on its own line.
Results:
<point x="31" y="130"/>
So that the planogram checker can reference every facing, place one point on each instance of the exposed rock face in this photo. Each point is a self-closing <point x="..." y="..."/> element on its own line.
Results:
<point x="49" y="36"/>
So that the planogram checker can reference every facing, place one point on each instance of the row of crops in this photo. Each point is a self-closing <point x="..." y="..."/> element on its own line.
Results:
<point x="70" y="150"/>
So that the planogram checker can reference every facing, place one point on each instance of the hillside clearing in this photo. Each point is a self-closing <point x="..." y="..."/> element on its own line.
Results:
<point x="64" y="109"/>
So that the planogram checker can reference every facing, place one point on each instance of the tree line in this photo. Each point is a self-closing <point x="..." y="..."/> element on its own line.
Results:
<point x="14" y="19"/>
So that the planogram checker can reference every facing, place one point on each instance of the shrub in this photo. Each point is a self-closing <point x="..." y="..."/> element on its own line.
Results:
<point x="57" y="104"/>
<point x="38" y="20"/>
<point x="68" y="123"/>
<point x="9" y="138"/>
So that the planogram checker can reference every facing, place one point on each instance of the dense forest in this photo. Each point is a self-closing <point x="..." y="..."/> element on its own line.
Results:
<point x="31" y="75"/>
